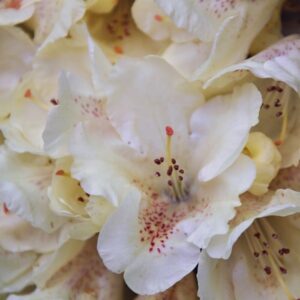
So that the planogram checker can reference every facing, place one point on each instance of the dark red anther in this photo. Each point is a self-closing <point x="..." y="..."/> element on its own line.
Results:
<point x="157" y="161"/>
<point x="80" y="199"/>
<point x="278" y="114"/>
<point x="157" y="174"/>
<point x="256" y="254"/>
<point x="54" y="101"/>
<point x="173" y="161"/>
<point x="181" y="171"/>
<point x="170" y="171"/>
<point x="176" y="167"/>
<point x="161" y="159"/>
<point x="180" y="178"/>
<point x="170" y="183"/>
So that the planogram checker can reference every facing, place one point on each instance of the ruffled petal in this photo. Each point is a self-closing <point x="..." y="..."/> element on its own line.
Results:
<point x="223" y="24"/>
<point x="217" y="200"/>
<point x="53" y="19"/>
<point x="148" y="268"/>
<point x="281" y="203"/>
<point x="141" y="117"/>
<point x="102" y="163"/>
<point x="23" y="187"/>
<point x="217" y="147"/>
<point x="13" y="12"/>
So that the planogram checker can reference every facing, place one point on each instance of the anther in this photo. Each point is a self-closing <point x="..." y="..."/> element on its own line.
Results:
<point x="181" y="171"/>
<point x="180" y="178"/>
<point x="170" y="183"/>
<point x="176" y="167"/>
<point x="157" y="174"/>
<point x="283" y="270"/>
<point x="161" y="159"/>
<point x="60" y="172"/>
<point x="173" y="161"/>
<point x="170" y="170"/>
<point x="157" y="161"/>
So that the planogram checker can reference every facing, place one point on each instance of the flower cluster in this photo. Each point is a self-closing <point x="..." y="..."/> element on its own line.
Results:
<point x="147" y="141"/>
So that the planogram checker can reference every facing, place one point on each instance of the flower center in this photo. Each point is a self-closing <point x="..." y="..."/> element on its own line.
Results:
<point x="269" y="252"/>
<point x="174" y="174"/>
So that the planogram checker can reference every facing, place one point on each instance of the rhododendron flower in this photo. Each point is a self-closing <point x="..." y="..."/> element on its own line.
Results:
<point x="220" y="26"/>
<point x="276" y="73"/>
<point x="261" y="248"/>
<point x="118" y="35"/>
<point x="34" y="96"/>
<point x="170" y="169"/>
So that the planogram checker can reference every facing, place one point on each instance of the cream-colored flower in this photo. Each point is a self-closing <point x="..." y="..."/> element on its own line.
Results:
<point x="276" y="72"/>
<point x="158" y="157"/>
<point x="261" y="248"/>
<point x="33" y="99"/>
<point x="118" y="35"/>
<point x="224" y="29"/>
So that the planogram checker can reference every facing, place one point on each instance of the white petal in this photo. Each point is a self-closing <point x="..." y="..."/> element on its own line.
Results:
<point x="217" y="201"/>
<point x="16" y="52"/>
<point x="16" y="12"/>
<point x="23" y="187"/>
<point x="217" y="147"/>
<point x="146" y="271"/>
<point x="151" y="20"/>
<point x="282" y="203"/>
<point x="102" y="163"/>
<point x="62" y="15"/>
<point x="140" y="117"/>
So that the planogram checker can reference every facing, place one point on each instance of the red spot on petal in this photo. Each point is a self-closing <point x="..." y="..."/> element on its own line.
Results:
<point x="5" y="209"/>
<point x="158" y="18"/>
<point x="54" y="101"/>
<point x="28" y="93"/>
<point x="277" y="143"/>
<point x="169" y="131"/>
<point x="118" y="50"/>
<point x="60" y="172"/>
<point x="14" y="4"/>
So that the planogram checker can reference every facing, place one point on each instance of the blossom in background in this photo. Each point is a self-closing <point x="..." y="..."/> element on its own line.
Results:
<point x="84" y="276"/>
<point x="260" y="251"/>
<point x="219" y="27"/>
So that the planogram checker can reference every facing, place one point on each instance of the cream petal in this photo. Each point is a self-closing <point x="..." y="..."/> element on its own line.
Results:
<point x="146" y="270"/>
<point x="216" y="148"/>
<point x="186" y="57"/>
<point x="280" y="62"/>
<point x="214" y="209"/>
<point x="16" y="11"/>
<point x="23" y="187"/>
<point x="16" y="53"/>
<point x="100" y="156"/>
<point x="141" y="117"/>
<point x="281" y="203"/>
<point x="224" y="23"/>
<point x="151" y="20"/>
<point x="53" y="19"/>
